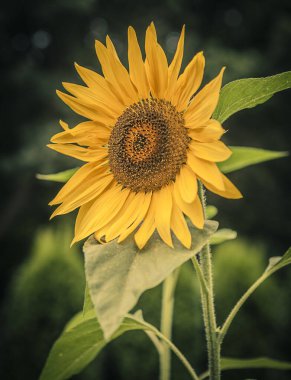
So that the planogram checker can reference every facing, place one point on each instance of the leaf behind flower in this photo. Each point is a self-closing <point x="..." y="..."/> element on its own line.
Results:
<point x="63" y="176"/>
<point x="117" y="274"/>
<point x="243" y="156"/>
<point x="248" y="93"/>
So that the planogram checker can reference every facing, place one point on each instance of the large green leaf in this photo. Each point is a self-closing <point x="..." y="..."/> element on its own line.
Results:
<point x="233" y="363"/>
<point x="247" y="93"/>
<point x="80" y="343"/>
<point x="88" y="305"/>
<point x="117" y="274"/>
<point x="243" y="156"/>
<point x="58" y="177"/>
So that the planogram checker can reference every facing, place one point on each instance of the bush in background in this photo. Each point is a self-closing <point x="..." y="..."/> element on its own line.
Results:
<point x="44" y="293"/>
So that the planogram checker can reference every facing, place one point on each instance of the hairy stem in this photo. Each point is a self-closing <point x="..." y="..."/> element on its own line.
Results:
<point x="208" y="308"/>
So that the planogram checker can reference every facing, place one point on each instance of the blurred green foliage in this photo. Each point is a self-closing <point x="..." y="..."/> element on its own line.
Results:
<point x="46" y="290"/>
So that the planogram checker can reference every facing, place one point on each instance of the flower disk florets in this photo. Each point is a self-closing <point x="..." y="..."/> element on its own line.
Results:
<point x="148" y="145"/>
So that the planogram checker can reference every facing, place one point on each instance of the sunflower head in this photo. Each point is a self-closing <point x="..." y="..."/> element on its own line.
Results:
<point x="148" y="138"/>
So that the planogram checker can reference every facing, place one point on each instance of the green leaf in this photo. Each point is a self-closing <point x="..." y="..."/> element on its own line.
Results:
<point x="80" y="343"/>
<point x="262" y="362"/>
<point x="74" y="350"/>
<point x="58" y="177"/>
<point x="88" y="305"/>
<point x="117" y="274"/>
<point x="247" y="93"/>
<point x="79" y="318"/>
<point x="243" y="156"/>
<point x="222" y="235"/>
<point x="83" y="339"/>
<point x="232" y="363"/>
<point x="211" y="211"/>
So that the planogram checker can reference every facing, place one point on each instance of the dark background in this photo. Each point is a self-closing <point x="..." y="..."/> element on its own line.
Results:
<point x="42" y="281"/>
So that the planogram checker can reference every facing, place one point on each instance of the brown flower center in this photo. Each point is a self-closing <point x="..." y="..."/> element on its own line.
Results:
<point x="148" y="145"/>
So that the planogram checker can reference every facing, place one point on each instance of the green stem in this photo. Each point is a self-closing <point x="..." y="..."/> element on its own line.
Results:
<point x="208" y="308"/>
<point x="179" y="355"/>
<point x="239" y="304"/>
<point x="163" y="339"/>
<point x="169" y="286"/>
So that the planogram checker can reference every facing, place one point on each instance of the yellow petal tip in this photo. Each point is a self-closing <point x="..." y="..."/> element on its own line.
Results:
<point x="60" y="94"/>
<point x="52" y="216"/>
<point x="222" y="70"/>
<point x="139" y="244"/>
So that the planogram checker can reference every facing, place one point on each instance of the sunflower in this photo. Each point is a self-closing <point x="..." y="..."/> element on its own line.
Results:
<point x="148" y="138"/>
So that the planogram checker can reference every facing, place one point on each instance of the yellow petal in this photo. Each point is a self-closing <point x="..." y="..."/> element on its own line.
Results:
<point x="64" y="125"/>
<point x="87" y="171"/>
<point x="81" y="214"/>
<point x="102" y="211"/>
<point x="206" y="170"/>
<point x="125" y="217"/>
<point x="193" y="210"/>
<point x="87" y="191"/>
<point x="94" y="99"/>
<point x="148" y="226"/>
<point x="215" y="151"/>
<point x="137" y="217"/>
<point x="211" y="131"/>
<point x="175" y="66"/>
<point x="136" y="65"/>
<point x="163" y="212"/>
<point x="92" y="79"/>
<point x="80" y="153"/>
<point x="82" y="183"/>
<point x="180" y="227"/>
<point x="204" y="103"/>
<point x="82" y="108"/>
<point x="198" y="213"/>
<point x="134" y="208"/>
<point x="189" y="82"/>
<point x="230" y="191"/>
<point x="157" y="65"/>
<point x="110" y="46"/>
<point x="88" y="133"/>
<point x="113" y="229"/>
<point x="187" y="184"/>
<point x="153" y="30"/>
<point x="98" y="83"/>
<point x="116" y="74"/>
